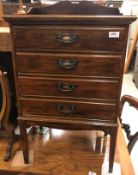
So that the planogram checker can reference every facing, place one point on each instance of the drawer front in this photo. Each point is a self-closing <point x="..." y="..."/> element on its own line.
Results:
<point x="70" y="64"/>
<point x="84" y="88"/>
<point x="76" y="109"/>
<point x="70" y="38"/>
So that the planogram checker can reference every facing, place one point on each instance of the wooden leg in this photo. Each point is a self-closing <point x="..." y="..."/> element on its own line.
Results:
<point x="5" y="112"/>
<point x="132" y="141"/>
<point x="24" y="142"/>
<point x="113" y="136"/>
<point x="7" y="155"/>
<point x="98" y="144"/>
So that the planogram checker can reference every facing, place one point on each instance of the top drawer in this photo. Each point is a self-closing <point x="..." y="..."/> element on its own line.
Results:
<point x="70" y="38"/>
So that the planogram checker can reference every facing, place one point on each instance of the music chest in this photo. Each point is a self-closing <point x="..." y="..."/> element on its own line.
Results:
<point x="68" y="71"/>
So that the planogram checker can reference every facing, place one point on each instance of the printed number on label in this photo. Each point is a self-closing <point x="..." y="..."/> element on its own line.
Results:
<point x="114" y="34"/>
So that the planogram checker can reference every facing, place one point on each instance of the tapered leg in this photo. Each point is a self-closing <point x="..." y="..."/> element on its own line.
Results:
<point x="23" y="139"/>
<point x="7" y="155"/>
<point x="113" y="136"/>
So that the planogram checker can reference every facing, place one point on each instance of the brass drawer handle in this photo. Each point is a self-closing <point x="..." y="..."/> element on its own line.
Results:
<point x="66" y="38"/>
<point x="67" y="64"/>
<point x="66" y="87"/>
<point x="66" y="109"/>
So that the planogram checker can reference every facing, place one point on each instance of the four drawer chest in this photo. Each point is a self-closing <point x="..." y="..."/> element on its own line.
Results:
<point x="68" y="71"/>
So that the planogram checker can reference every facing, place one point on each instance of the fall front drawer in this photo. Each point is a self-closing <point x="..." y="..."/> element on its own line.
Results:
<point x="69" y="38"/>
<point x="107" y="65"/>
<point x="85" y="88"/>
<point x="62" y="107"/>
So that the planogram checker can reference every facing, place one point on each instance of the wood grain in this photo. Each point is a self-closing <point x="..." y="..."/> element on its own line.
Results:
<point x="58" y="149"/>
<point x="44" y="37"/>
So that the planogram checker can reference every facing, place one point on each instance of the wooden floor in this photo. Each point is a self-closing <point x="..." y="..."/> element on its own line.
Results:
<point x="60" y="152"/>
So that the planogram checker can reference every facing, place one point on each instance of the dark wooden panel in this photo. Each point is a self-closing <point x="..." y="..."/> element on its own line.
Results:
<point x="75" y="88"/>
<point x="66" y="108"/>
<point x="82" y="64"/>
<point x="98" y="45"/>
<point x="86" y="38"/>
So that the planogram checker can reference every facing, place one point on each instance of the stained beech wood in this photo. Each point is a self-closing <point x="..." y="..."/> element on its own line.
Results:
<point x="122" y="155"/>
<point x="131" y="50"/>
<point x="86" y="36"/>
<point x="47" y="47"/>
<point x="95" y="64"/>
<point x="132" y="138"/>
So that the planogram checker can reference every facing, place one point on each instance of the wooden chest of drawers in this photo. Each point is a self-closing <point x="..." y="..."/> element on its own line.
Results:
<point x="68" y="71"/>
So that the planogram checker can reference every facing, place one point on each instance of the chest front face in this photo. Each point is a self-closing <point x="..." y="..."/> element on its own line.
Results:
<point x="71" y="71"/>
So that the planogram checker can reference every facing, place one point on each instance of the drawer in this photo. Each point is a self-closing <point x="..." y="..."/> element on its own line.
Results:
<point x="81" y="88"/>
<point x="70" y="38"/>
<point x="66" y="108"/>
<point x="70" y="64"/>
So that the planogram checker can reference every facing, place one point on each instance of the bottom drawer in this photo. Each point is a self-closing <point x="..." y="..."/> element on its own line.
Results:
<point x="77" y="109"/>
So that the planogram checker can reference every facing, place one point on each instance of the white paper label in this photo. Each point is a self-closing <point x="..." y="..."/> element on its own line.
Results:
<point x="114" y="34"/>
<point x="91" y="173"/>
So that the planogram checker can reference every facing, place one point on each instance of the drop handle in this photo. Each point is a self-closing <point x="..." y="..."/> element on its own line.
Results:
<point x="66" y="109"/>
<point x="66" y="87"/>
<point x="66" y="38"/>
<point x="67" y="64"/>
